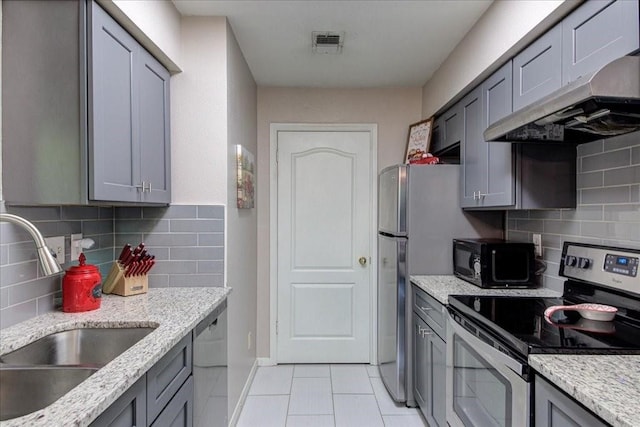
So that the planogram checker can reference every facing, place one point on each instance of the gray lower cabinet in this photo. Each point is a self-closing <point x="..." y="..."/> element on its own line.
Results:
<point x="129" y="157"/>
<point x="179" y="411"/>
<point x="167" y="376"/>
<point x="162" y="397"/>
<point x="596" y="33"/>
<point x="128" y="411"/>
<point x="429" y="359"/>
<point x="555" y="409"/>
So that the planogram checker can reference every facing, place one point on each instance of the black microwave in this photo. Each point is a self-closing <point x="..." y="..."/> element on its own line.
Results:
<point x="494" y="263"/>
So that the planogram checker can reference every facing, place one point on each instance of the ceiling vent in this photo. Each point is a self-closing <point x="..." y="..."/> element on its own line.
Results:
<point x="327" y="41"/>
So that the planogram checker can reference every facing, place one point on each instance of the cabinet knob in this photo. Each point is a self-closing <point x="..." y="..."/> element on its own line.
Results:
<point x="362" y="260"/>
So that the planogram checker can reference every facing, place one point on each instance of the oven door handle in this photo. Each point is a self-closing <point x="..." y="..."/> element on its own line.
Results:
<point x="486" y="349"/>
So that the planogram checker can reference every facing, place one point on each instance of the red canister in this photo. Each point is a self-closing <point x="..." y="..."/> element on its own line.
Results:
<point x="81" y="287"/>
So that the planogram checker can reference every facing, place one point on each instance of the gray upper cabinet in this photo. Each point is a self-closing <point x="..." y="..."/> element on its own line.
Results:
<point x="451" y="126"/>
<point x="85" y="109"/>
<point x="596" y="33"/>
<point x="153" y="130"/>
<point x="536" y="70"/>
<point x="129" y="158"/>
<point x="488" y="178"/>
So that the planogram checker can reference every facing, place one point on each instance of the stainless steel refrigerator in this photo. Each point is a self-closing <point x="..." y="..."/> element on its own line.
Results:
<point x="418" y="216"/>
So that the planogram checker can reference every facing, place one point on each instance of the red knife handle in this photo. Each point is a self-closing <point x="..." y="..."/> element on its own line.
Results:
<point x="123" y="253"/>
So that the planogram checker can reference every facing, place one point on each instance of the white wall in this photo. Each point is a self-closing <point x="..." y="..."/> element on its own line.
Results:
<point x="392" y="109"/>
<point x="199" y="114"/>
<point x="503" y="30"/>
<point x="241" y="224"/>
<point x="155" y="23"/>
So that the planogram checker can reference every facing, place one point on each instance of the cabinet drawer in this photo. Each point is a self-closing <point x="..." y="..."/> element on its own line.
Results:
<point x="166" y="377"/>
<point x="179" y="411"/>
<point x="430" y="310"/>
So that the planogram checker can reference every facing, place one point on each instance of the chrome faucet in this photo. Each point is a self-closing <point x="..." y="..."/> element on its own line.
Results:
<point x="48" y="262"/>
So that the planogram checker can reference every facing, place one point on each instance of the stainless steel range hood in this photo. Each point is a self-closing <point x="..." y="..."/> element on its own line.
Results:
<point x="600" y="105"/>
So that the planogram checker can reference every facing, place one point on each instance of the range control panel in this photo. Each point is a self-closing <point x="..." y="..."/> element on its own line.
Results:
<point x="604" y="265"/>
<point x="621" y="264"/>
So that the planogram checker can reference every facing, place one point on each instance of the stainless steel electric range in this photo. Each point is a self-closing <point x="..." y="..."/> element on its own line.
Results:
<point x="489" y="338"/>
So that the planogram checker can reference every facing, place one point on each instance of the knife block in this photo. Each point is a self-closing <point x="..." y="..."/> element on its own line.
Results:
<point x="133" y="285"/>
<point x="117" y="283"/>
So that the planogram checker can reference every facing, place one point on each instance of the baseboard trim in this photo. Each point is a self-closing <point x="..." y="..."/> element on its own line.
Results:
<point x="243" y="396"/>
<point x="266" y="361"/>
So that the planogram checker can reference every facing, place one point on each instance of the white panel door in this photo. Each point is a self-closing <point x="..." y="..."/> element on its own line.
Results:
<point x="324" y="226"/>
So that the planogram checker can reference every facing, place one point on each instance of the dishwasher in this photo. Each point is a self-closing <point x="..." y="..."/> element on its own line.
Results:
<point x="210" y="399"/>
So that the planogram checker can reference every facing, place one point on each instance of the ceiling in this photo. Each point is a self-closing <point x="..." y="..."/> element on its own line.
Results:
<point x="386" y="43"/>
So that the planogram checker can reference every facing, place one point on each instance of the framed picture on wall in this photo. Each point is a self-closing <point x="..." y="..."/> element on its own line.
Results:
<point x="246" y="179"/>
<point x="419" y="140"/>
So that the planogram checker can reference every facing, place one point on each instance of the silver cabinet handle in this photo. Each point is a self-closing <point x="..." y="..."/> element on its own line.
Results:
<point x="426" y="308"/>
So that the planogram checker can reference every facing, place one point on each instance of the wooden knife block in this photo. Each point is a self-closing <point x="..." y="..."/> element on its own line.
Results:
<point x="117" y="283"/>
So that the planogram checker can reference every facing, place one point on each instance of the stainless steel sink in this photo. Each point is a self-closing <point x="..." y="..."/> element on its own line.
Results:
<point x="93" y="347"/>
<point x="24" y="390"/>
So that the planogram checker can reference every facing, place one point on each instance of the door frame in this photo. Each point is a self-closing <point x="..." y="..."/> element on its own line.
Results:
<point x="275" y="128"/>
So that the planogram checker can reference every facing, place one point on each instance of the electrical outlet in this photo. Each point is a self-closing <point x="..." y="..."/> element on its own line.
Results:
<point x="249" y="336"/>
<point x="76" y="249"/>
<point x="537" y="241"/>
<point x="56" y="244"/>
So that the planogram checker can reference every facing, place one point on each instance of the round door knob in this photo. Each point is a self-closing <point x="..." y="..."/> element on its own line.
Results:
<point x="362" y="260"/>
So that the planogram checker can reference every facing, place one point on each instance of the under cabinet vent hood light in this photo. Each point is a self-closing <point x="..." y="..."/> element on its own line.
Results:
<point x="327" y="42"/>
<point x="603" y="104"/>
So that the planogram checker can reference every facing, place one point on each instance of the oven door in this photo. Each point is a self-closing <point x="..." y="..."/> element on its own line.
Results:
<point x="484" y="387"/>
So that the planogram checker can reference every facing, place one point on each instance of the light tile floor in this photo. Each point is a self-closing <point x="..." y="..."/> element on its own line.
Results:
<point x="323" y="395"/>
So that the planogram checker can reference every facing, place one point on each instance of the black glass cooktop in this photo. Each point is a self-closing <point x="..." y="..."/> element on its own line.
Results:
<point x="519" y="323"/>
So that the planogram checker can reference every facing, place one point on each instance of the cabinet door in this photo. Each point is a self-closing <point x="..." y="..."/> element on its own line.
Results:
<point x="437" y="355"/>
<point x="437" y="137"/>
<point x="596" y="33"/>
<point x="474" y="150"/>
<point x="420" y="365"/>
<point x="179" y="411"/>
<point x="555" y="409"/>
<point x="153" y="129"/>
<point x="113" y="159"/>
<point x="499" y="189"/>
<point x="429" y="373"/>
<point x="537" y="70"/>
<point x="128" y="411"/>
<point x="452" y="126"/>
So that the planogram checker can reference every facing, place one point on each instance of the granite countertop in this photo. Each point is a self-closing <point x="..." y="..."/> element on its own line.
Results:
<point x="440" y="287"/>
<point x="174" y="311"/>
<point x="608" y="385"/>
